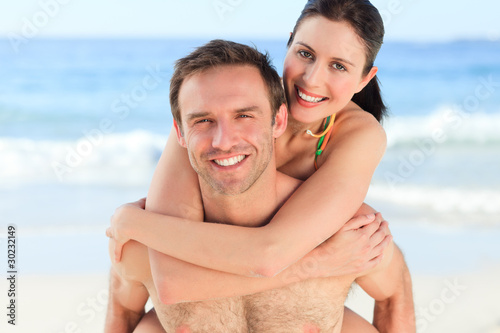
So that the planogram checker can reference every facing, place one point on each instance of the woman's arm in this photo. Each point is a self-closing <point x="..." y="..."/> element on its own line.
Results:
<point x="318" y="209"/>
<point x="179" y="281"/>
<point x="174" y="189"/>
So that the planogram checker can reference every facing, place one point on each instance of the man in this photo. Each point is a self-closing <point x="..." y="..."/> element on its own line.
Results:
<point x="228" y="124"/>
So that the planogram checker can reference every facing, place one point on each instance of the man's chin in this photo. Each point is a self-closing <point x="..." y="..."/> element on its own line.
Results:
<point x="229" y="188"/>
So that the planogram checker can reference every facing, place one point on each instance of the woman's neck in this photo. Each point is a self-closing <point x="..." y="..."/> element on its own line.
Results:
<point x="299" y="129"/>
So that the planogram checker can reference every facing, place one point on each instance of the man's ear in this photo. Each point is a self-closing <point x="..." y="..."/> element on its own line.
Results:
<point x="180" y="137"/>
<point x="281" y="121"/>
<point x="371" y="74"/>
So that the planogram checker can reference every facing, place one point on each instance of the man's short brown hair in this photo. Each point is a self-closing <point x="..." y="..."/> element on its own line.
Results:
<point x="219" y="53"/>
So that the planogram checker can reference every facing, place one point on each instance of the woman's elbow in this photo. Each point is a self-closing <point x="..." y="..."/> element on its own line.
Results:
<point x="266" y="271"/>
<point x="269" y="263"/>
<point x="169" y="292"/>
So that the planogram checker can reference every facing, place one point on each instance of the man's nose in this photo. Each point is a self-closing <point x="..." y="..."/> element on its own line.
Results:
<point x="225" y="136"/>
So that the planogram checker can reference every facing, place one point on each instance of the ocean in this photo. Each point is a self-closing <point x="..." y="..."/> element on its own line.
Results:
<point x="83" y="123"/>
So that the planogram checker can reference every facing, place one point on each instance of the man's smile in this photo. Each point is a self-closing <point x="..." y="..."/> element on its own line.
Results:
<point x="230" y="161"/>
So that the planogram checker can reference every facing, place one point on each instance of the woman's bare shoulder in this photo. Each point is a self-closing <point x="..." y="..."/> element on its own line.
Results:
<point x="354" y="118"/>
<point x="356" y="131"/>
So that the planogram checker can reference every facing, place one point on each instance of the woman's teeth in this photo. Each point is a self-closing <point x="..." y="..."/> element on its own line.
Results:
<point x="310" y="99"/>
<point x="230" y="161"/>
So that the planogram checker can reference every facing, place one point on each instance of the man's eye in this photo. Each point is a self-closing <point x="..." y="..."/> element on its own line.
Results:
<point x="244" y="116"/>
<point x="202" y="121"/>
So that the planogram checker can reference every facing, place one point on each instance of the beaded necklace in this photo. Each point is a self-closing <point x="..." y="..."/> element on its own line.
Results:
<point x="323" y="137"/>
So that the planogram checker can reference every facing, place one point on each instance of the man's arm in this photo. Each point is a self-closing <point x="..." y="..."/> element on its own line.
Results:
<point x="390" y="285"/>
<point x="127" y="297"/>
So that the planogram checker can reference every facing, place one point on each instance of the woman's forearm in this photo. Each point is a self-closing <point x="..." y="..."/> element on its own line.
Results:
<point x="198" y="243"/>
<point x="178" y="281"/>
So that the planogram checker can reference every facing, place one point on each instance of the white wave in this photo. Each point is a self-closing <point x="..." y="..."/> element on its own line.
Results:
<point x="119" y="159"/>
<point x="446" y="126"/>
<point x="479" y="201"/>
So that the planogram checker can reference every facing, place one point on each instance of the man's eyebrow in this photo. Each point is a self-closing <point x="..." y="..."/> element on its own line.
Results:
<point x="202" y="114"/>
<point x="333" y="58"/>
<point x="196" y="115"/>
<point x="253" y="108"/>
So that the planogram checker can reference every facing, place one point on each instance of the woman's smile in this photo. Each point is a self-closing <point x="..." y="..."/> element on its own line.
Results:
<point x="306" y="96"/>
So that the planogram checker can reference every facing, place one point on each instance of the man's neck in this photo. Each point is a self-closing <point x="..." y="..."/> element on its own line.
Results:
<point x="252" y="208"/>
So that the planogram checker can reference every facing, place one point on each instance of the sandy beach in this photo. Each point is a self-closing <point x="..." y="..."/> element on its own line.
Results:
<point x="463" y="303"/>
<point x="62" y="284"/>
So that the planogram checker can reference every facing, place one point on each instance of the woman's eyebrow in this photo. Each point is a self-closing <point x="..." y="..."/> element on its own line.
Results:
<point x="332" y="58"/>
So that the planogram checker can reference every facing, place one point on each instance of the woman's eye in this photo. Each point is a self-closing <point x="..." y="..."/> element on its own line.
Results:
<point x="305" y="54"/>
<point x="339" y="67"/>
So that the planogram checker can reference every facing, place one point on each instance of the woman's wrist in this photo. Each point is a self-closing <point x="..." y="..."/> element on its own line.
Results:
<point x="128" y="220"/>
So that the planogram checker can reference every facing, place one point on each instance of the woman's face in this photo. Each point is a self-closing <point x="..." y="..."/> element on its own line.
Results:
<point x="323" y="69"/>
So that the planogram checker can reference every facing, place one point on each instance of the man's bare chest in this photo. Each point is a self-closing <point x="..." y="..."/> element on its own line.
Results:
<point x="300" y="307"/>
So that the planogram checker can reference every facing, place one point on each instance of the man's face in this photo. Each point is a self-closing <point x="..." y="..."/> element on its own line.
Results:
<point x="227" y="126"/>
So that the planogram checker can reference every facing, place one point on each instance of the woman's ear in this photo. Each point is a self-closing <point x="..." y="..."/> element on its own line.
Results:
<point x="290" y="39"/>
<point x="180" y="136"/>
<point x="280" y="121"/>
<point x="371" y="74"/>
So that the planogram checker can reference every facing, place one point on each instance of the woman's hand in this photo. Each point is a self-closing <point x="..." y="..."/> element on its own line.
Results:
<point x="357" y="247"/>
<point x="119" y="220"/>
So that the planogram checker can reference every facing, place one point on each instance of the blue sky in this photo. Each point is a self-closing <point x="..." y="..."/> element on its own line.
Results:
<point x="417" y="20"/>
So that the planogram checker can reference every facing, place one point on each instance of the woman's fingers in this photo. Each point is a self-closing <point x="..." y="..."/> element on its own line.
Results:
<point x="359" y="222"/>
<point x="370" y="228"/>
<point x="379" y="235"/>
<point x="378" y="253"/>
<point x="141" y="203"/>
<point x="379" y="249"/>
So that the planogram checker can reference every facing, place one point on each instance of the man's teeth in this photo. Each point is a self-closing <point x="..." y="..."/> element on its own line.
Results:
<point x="230" y="161"/>
<point x="309" y="99"/>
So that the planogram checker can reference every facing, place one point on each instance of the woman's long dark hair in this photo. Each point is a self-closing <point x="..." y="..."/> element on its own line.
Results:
<point x="365" y="19"/>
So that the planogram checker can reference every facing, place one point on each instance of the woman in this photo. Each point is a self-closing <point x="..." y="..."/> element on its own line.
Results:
<point x="330" y="82"/>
